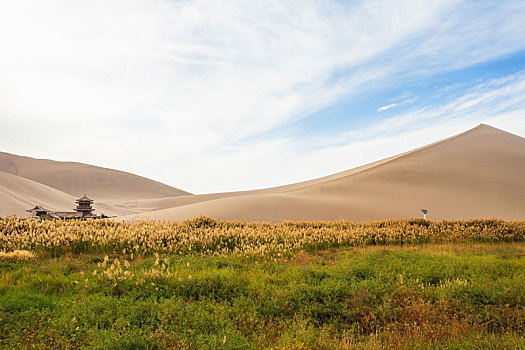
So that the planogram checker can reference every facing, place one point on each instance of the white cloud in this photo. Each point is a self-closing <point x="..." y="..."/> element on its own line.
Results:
<point x="384" y="108"/>
<point x="165" y="88"/>
<point x="490" y="102"/>
<point x="499" y="102"/>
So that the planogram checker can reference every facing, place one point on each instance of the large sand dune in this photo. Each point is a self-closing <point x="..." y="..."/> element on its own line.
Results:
<point x="76" y="179"/>
<point x="18" y="194"/>
<point x="480" y="173"/>
<point x="154" y="204"/>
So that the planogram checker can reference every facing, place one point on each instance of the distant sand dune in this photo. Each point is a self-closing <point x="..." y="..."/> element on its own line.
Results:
<point x="18" y="194"/>
<point x="480" y="173"/>
<point x="154" y="204"/>
<point x="77" y="178"/>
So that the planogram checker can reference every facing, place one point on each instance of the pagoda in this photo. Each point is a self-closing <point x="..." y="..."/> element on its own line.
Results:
<point x="84" y="207"/>
<point x="84" y="210"/>
<point x="37" y="211"/>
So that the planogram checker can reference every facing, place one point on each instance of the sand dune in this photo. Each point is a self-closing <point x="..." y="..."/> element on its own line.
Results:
<point x="155" y="204"/>
<point x="76" y="179"/>
<point x="18" y="194"/>
<point x="480" y="173"/>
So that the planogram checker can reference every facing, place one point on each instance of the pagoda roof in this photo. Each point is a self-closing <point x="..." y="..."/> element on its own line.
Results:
<point x="37" y="208"/>
<point x="84" y="199"/>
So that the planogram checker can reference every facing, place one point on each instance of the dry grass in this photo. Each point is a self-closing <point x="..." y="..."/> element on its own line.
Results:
<point x="17" y="255"/>
<point x="206" y="236"/>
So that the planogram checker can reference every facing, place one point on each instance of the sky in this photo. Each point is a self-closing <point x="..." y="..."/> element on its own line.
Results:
<point x="222" y="95"/>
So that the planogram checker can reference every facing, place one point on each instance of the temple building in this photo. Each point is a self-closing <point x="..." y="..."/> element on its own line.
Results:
<point x="84" y="207"/>
<point x="38" y="211"/>
<point x="84" y="210"/>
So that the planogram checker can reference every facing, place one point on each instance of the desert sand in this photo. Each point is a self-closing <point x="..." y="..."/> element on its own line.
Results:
<point x="479" y="173"/>
<point x="77" y="179"/>
<point x="18" y="194"/>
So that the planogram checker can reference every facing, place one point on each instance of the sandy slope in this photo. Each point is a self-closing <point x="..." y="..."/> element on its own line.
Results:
<point x="18" y="194"/>
<point x="480" y="173"/>
<point x="154" y="204"/>
<point x="77" y="178"/>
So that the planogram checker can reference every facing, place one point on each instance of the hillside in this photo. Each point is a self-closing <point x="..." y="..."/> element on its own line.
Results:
<point x="478" y="173"/>
<point x="18" y="194"/>
<point x="75" y="179"/>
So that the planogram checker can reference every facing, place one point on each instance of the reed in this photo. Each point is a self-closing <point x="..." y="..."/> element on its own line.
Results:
<point x="208" y="237"/>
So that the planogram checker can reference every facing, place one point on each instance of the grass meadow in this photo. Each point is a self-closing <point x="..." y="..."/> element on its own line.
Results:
<point x="206" y="284"/>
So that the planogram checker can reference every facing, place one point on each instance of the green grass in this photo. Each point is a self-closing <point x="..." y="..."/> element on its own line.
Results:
<point x="454" y="296"/>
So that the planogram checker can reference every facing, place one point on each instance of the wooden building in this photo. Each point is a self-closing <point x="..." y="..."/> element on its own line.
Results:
<point x="38" y="211"/>
<point x="84" y="207"/>
<point x="84" y="210"/>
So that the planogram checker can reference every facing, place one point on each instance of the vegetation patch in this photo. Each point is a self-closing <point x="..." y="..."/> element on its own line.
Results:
<point x="207" y="284"/>
<point x="17" y="255"/>
<point x="205" y="236"/>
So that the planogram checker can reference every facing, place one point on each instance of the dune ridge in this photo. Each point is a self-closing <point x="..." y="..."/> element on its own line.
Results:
<point x="77" y="179"/>
<point x="478" y="173"/>
<point x="18" y="194"/>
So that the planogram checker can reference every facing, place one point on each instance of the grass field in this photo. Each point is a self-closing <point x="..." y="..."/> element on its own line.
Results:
<point x="395" y="284"/>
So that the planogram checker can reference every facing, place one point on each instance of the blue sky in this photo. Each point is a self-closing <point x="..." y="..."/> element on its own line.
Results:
<point x="366" y="108"/>
<point x="216" y="95"/>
